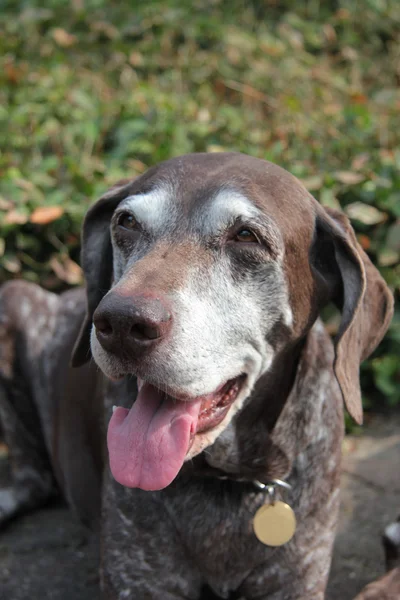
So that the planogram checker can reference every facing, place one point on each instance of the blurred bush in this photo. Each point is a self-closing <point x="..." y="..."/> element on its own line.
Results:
<point x="94" y="90"/>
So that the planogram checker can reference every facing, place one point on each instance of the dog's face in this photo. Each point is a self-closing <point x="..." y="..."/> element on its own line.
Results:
<point x="218" y="267"/>
<point x="215" y="262"/>
<point x="218" y="263"/>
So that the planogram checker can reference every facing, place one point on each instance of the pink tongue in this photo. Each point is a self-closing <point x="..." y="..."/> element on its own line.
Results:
<point x="148" y="443"/>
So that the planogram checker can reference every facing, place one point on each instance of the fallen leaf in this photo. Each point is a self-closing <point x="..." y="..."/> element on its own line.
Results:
<point x="359" y="98"/>
<point x="328" y="199"/>
<point x="390" y="254"/>
<point x="393" y="236"/>
<point x="107" y="29"/>
<point x="13" y="217"/>
<point x="329" y="33"/>
<point x="63" y="38"/>
<point x="12" y="73"/>
<point x="343" y="13"/>
<point x="46" y="214"/>
<point x="66" y="269"/>
<point x="388" y="257"/>
<point x="137" y="165"/>
<point x="25" y="184"/>
<point x="360" y="161"/>
<point x="332" y="109"/>
<point x="203" y="116"/>
<point x="313" y="183"/>
<point x="5" y="204"/>
<point x="215" y="148"/>
<point x="369" y="215"/>
<point x="349" y="177"/>
<point x="12" y="265"/>
<point x="349" y="53"/>
<point x="364" y="241"/>
<point x="136" y="59"/>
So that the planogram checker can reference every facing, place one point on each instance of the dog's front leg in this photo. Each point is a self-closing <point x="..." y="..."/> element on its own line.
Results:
<point x="300" y="569"/>
<point x="142" y="556"/>
<point x="278" y="582"/>
<point x="25" y="314"/>
<point x="32" y="481"/>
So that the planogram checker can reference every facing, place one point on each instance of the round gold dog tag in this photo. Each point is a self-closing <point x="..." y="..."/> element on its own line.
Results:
<point x="274" y="524"/>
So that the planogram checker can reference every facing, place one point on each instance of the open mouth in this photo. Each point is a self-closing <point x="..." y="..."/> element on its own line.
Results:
<point x="148" y="443"/>
<point x="215" y="406"/>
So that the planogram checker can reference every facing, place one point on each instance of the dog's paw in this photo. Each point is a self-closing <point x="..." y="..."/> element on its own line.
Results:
<point x="9" y="504"/>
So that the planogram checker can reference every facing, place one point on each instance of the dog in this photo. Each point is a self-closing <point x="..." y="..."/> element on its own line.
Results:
<point x="198" y="352"/>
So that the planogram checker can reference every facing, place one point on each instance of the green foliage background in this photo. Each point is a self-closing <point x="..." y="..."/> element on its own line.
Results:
<point x="92" y="90"/>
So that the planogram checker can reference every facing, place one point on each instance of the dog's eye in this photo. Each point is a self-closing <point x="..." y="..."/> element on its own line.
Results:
<point x="127" y="221"/>
<point x="246" y="236"/>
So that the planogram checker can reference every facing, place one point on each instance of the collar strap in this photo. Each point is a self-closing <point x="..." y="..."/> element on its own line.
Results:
<point x="269" y="487"/>
<point x="273" y="483"/>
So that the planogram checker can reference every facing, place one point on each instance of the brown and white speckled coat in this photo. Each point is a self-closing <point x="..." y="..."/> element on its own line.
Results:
<point x="227" y="262"/>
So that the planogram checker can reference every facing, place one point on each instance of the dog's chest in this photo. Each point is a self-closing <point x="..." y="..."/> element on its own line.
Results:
<point x="214" y="521"/>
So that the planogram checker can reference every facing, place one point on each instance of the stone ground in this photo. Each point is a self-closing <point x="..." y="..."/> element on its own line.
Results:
<point x="47" y="556"/>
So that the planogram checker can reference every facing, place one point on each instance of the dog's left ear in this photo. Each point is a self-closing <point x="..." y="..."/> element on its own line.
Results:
<point x="96" y="260"/>
<point x="353" y="283"/>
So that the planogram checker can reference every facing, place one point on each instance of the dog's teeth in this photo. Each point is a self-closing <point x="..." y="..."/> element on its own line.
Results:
<point x="114" y="408"/>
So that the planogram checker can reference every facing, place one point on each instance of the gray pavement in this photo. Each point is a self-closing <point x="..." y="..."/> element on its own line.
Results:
<point x="370" y="501"/>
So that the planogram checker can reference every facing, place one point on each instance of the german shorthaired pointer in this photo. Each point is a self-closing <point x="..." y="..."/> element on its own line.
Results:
<point x="205" y="278"/>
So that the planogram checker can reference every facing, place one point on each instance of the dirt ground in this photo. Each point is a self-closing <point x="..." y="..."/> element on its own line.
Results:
<point x="47" y="555"/>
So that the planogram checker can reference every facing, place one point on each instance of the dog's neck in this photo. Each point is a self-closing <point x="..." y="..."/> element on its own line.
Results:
<point x="273" y="389"/>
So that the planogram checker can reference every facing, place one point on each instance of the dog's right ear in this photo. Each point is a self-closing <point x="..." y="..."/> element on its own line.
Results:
<point x="96" y="260"/>
<point x="355" y="285"/>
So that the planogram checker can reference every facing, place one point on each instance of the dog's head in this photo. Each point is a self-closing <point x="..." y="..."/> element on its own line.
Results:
<point x="199" y="274"/>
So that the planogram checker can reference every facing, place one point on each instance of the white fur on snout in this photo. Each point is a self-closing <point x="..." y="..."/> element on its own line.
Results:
<point x="215" y="337"/>
<point x="220" y="335"/>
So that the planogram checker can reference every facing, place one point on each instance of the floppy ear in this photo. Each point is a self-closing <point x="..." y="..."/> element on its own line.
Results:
<point x="96" y="260"/>
<point x="356" y="287"/>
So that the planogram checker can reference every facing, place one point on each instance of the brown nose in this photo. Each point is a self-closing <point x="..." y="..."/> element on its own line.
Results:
<point x="132" y="324"/>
